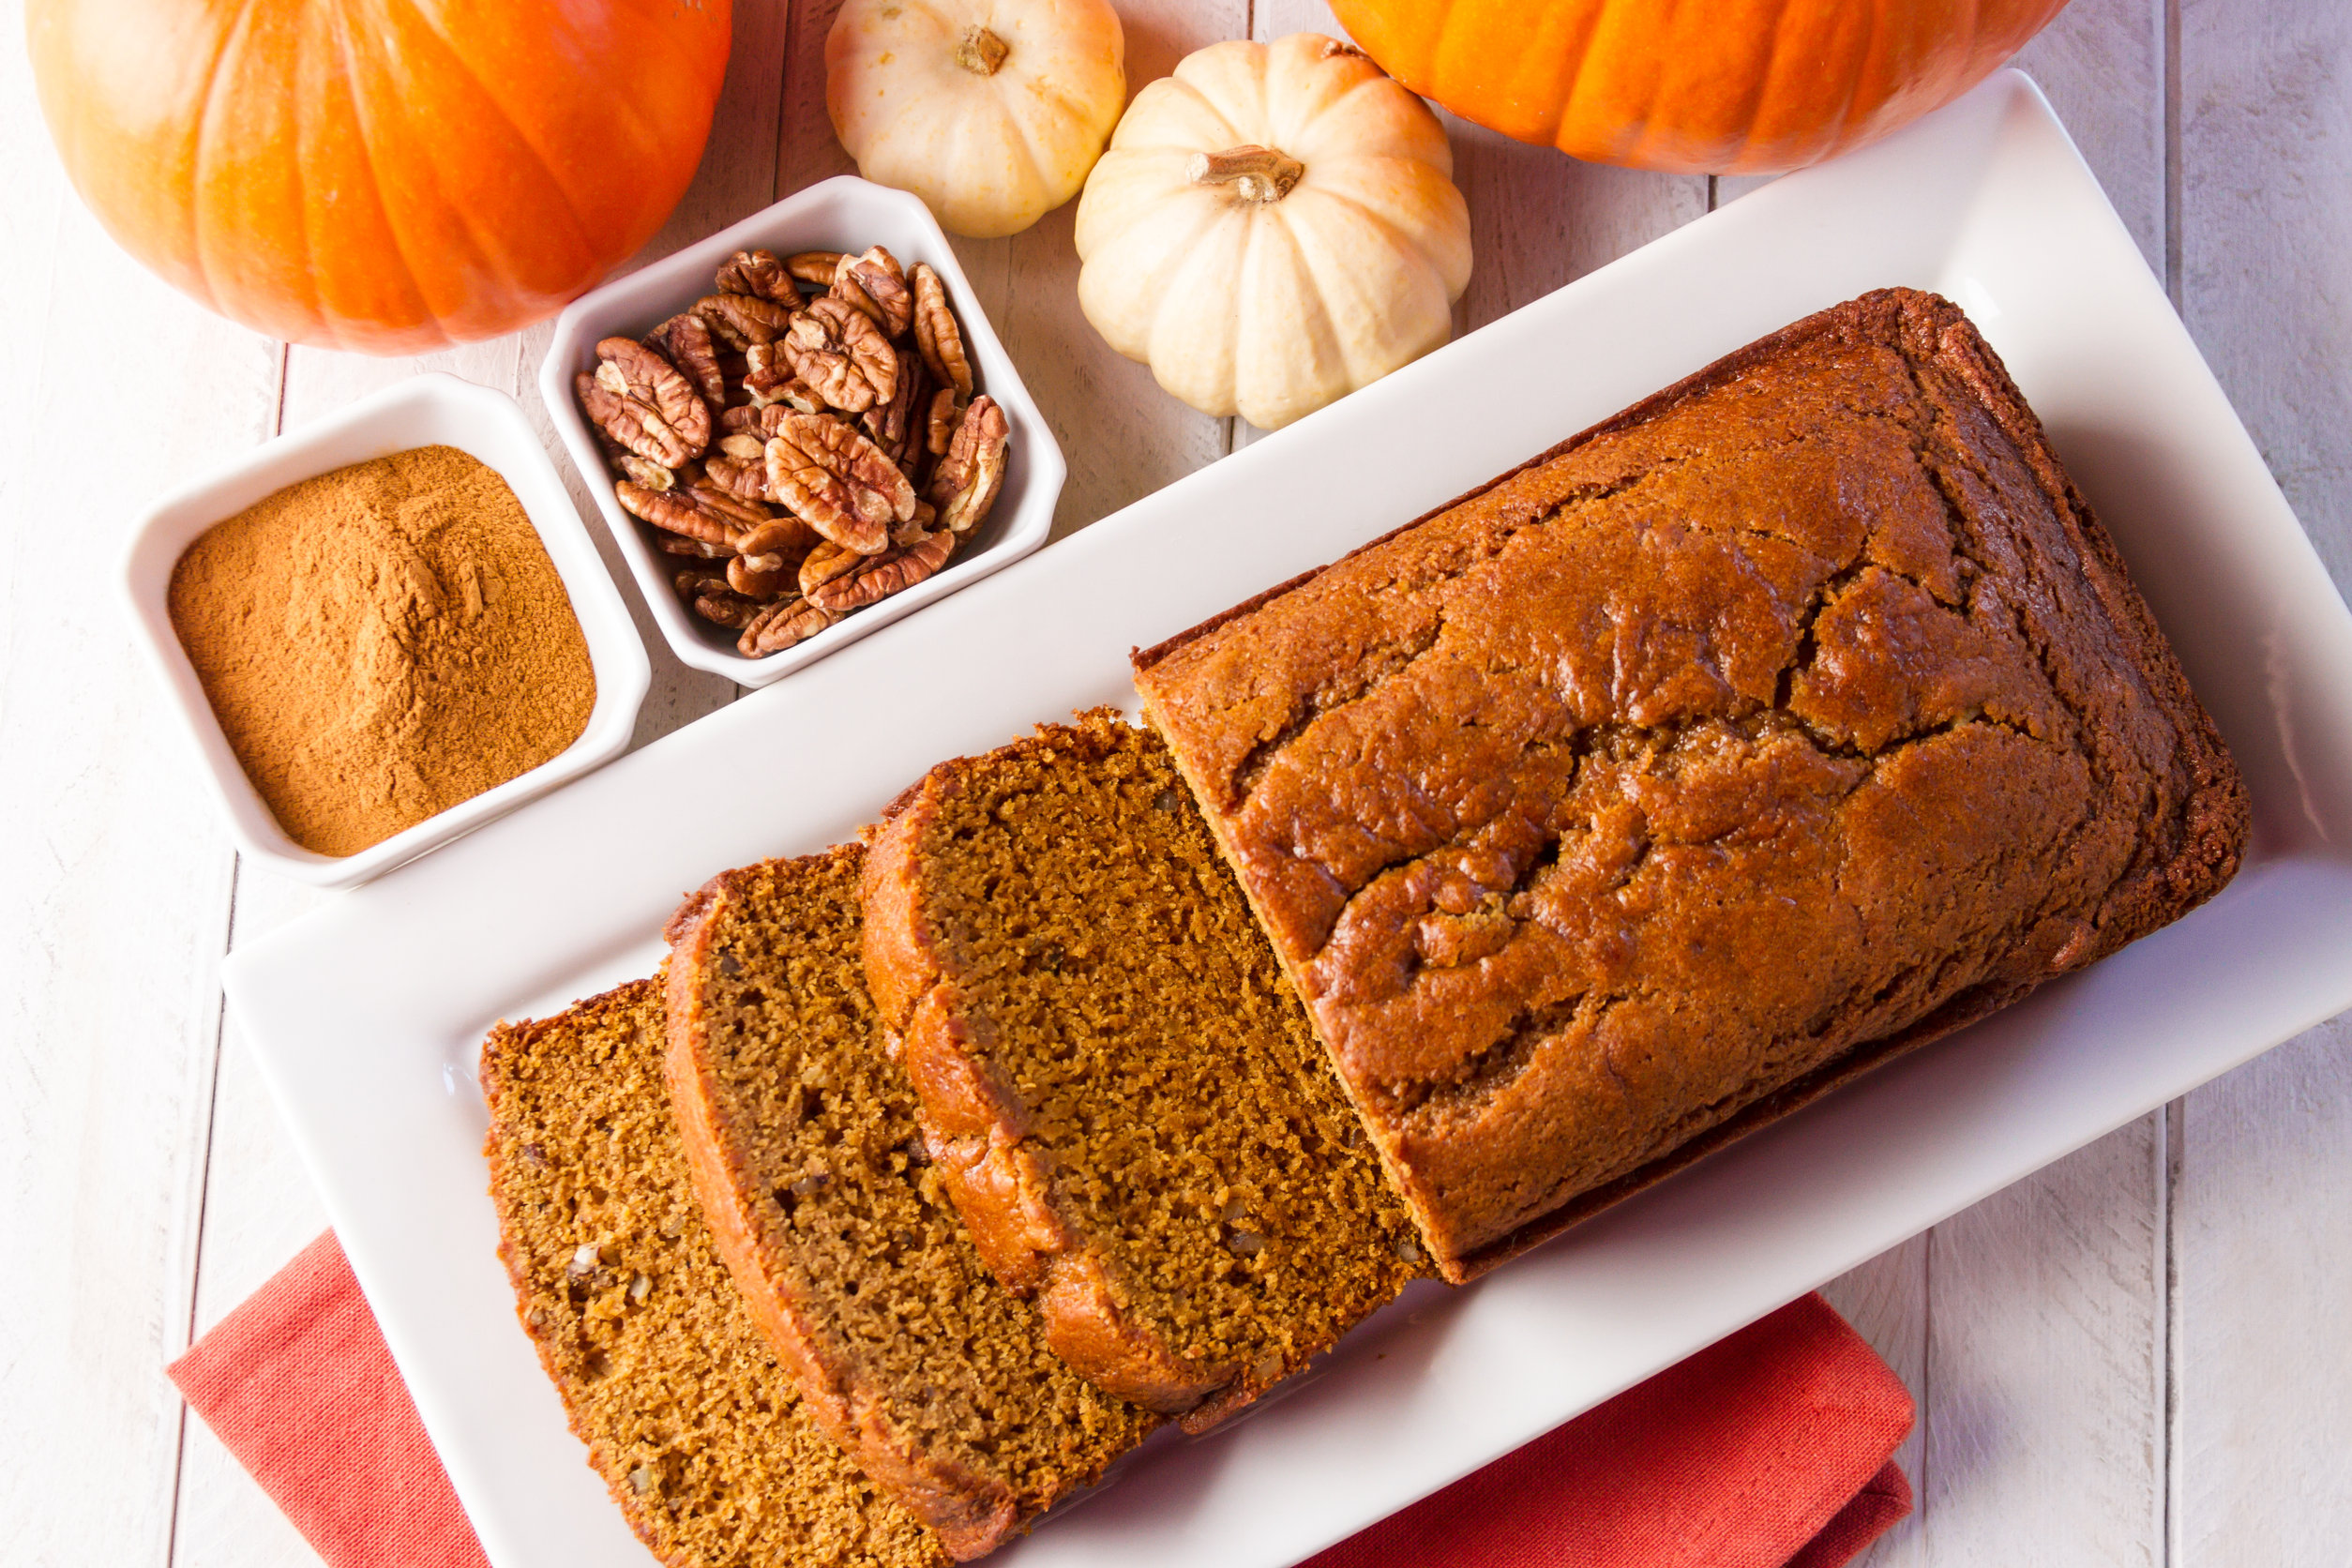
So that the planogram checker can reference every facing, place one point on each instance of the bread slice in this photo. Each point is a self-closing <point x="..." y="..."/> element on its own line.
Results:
<point x="801" y="1134"/>
<point x="1796" y="715"/>
<point x="1121" y="1091"/>
<point x="686" y="1412"/>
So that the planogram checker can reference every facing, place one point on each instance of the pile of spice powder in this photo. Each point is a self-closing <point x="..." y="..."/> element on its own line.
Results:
<point x="382" y="642"/>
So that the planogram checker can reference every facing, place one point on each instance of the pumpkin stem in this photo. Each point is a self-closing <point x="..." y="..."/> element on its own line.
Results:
<point x="1255" y="174"/>
<point x="980" y="52"/>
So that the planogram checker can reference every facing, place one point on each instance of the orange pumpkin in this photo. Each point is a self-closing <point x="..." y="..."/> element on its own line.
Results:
<point x="386" y="175"/>
<point x="1702" y="86"/>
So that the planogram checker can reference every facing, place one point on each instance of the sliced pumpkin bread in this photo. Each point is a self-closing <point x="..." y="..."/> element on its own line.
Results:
<point x="687" y="1413"/>
<point x="1120" y="1087"/>
<point x="800" y="1134"/>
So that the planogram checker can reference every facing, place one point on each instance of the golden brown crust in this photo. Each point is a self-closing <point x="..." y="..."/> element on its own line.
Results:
<point x="1800" y="710"/>
<point x="1002" y="1180"/>
<point x="972" y="1513"/>
<point x="1955" y="1014"/>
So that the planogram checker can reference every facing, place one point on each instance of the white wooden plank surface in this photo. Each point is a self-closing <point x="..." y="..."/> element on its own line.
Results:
<point x="2102" y="66"/>
<point x="113" y="876"/>
<point x="2133" y="1357"/>
<point x="2265" y="1373"/>
<point x="2263" y="1434"/>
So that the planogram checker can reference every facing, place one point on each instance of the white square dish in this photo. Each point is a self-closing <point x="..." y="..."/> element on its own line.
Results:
<point x="841" y="213"/>
<point x="367" y="1017"/>
<point x="424" y="410"/>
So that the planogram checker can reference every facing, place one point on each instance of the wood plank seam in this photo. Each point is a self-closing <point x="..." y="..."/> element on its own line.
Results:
<point x="2172" y="1145"/>
<point x="1922" y="1494"/>
<point x="2174" y="1127"/>
<point x="196" y="1246"/>
<point x="2172" y="152"/>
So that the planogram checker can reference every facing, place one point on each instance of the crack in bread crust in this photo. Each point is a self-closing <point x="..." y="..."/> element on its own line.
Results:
<point x="1781" y="710"/>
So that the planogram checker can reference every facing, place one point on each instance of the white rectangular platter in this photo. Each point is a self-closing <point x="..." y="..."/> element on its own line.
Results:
<point x="367" y="1016"/>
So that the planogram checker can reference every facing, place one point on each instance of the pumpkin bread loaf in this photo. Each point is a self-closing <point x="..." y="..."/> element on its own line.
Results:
<point x="1124" y="1096"/>
<point x="686" y="1412"/>
<point x="801" y="1134"/>
<point x="1795" y="715"/>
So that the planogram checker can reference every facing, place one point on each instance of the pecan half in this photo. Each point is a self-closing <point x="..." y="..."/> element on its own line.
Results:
<point x="739" y="321"/>
<point x="629" y="425"/>
<point x="814" y="267"/>
<point x="684" y="342"/>
<point x="937" y="334"/>
<point x="826" y="562"/>
<point x="782" y="624"/>
<point x="878" y="577"/>
<point x="711" y="598"/>
<point x="752" y="419"/>
<point x="700" y="511"/>
<point x="767" y="382"/>
<point x="769" y="378"/>
<point x="965" y="484"/>
<point x="787" y="537"/>
<point x="836" y="350"/>
<point x="630" y="369"/>
<point x="735" y="367"/>
<point x="757" y="272"/>
<point x="644" y="471"/>
<point x="877" y="285"/>
<point x="947" y="406"/>
<point x="758" y="577"/>
<point x="739" y="465"/>
<point x="893" y="426"/>
<point x="678" y="544"/>
<point x="842" y="483"/>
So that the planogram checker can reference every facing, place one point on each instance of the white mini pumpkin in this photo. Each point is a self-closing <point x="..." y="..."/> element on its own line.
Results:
<point x="1272" y="227"/>
<point x="991" y="110"/>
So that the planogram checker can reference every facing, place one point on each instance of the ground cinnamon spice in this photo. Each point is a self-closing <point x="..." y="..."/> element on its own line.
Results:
<point x="382" y="642"/>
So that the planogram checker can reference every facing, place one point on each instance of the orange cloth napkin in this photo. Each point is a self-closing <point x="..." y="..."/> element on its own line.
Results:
<point x="1767" y="1450"/>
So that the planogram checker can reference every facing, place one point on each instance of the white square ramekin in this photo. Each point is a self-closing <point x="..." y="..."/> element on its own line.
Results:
<point x="423" y="411"/>
<point x="844" y="213"/>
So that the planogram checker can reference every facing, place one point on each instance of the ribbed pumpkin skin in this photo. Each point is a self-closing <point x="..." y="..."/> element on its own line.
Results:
<point x="385" y="176"/>
<point x="1693" y="86"/>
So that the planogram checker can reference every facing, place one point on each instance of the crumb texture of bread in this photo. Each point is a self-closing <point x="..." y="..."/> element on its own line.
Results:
<point x="684" y="1410"/>
<point x="802" y="1136"/>
<point x="1800" y="709"/>
<point x="1127" y="1101"/>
